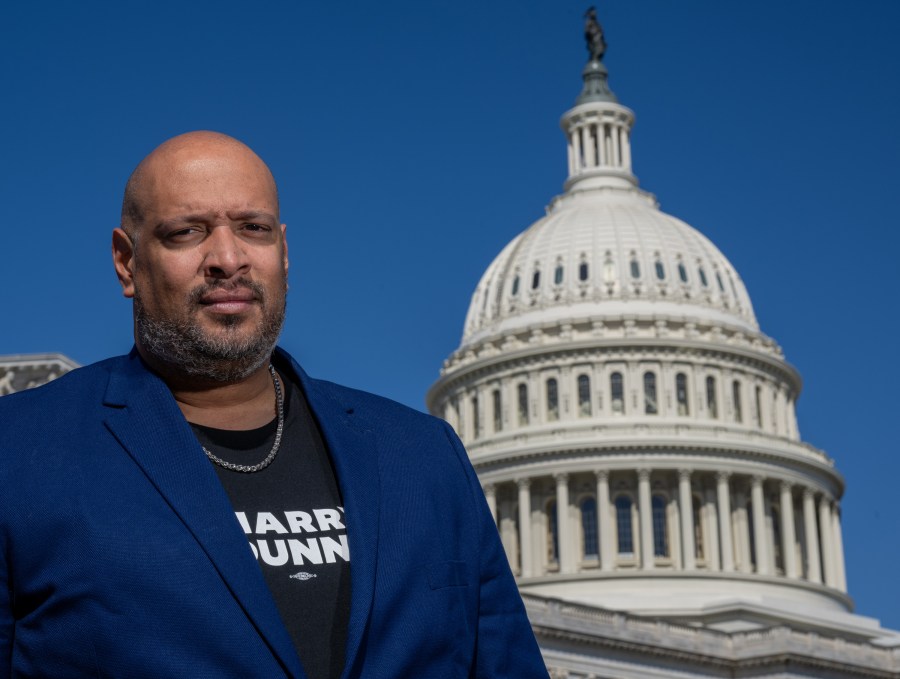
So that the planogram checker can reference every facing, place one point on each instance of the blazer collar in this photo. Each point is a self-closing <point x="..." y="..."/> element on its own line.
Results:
<point x="355" y="456"/>
<point x="145" y="419"/>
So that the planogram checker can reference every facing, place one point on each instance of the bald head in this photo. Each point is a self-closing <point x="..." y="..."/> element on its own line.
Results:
<point x="181" y="160"/>
<point x="202" y="253"/>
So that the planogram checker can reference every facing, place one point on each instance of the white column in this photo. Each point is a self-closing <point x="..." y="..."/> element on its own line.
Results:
<point x="759" y="537"/>
<point x="604" y="523"/>
<point x="664" y="386"/>
<point x="827" y="542"/>
<point x="711" y="550"/>
<point x="576" y="150"/>
<point x="646" y="516"/>
<point x="778" y="413"/>
<point x="508" y="535"/>
<point x="626" y="149"/>
<point x="527" y="569"/>
<point x="601" y="143"/>
<point x="724" y="497"/>
<point x="686" y="510"/>
<point x="490" y="494"/>
<point x="838" y="547"/>
<point x="788" y="538"/>
<point x="583" y="141"/>
<point x="571" y="155"/>
<point x="742" y="532"/>
<point x="791" y="413"/>
<point x="616" y="160"/>
<point x="563" y="525"/>
<point x="590" y="152"/>
<point x="813" y="572"/>
<point x="769" y="399"/>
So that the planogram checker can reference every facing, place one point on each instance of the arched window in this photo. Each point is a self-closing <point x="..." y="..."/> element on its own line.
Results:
<point x="650" y="404"/>
<point x="681" y="394"/>
<point x="552" y="399"/>
<point x="660" y="526"/>
<point x="523" y="403"/>
<point x="498" y="411"/>
<point x="617" y="392"/>
<point x="583" y="271"/>
<point x="711" y="404"/>
<point x="698" y="527"/>
<point x="635" y="269"/>
<point x="589" y="526"/>
<point x="515" y="286"/>
<point x="682" y="272"/>
<point x="623" y="526"/>
<point x="703" y="281"/>
<point x="536" y="279"/>
<point x="558" y="275"/>
<point x="660" y="270"/>
<point x="476" y="418"/>
<point x="736" y="399"/>
<point x="584" y="395"/>
<point x="719" y="281"/>
<point x="552" y="533"/>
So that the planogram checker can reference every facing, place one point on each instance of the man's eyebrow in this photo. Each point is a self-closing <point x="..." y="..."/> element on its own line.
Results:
<point x="246" y="215"/>
<point x="205" y="217"/>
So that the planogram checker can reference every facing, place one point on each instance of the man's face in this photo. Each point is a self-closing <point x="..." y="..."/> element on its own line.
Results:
<point x="208" y="269"/>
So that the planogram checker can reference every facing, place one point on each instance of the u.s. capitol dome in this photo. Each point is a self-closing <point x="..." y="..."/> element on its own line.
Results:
<point x="633" y="428"/>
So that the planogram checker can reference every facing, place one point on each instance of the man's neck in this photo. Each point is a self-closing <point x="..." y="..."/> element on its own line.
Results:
<point x="246" y="404"/>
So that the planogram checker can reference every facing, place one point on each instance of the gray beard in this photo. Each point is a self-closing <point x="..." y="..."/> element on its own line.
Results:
<point x="185" y="348"/>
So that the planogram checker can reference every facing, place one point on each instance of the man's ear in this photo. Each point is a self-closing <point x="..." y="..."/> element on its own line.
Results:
<point x="123" y="260"/>
<point x="284" y="245"/>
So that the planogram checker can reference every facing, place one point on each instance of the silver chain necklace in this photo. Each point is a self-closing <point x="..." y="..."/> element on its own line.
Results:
<point x="247" y="468"/>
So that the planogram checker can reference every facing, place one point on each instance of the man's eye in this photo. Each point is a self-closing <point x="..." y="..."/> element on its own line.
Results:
<point x="181" y="233"/>
<point x="256" y="227"/>
<point x="185" y="235"/>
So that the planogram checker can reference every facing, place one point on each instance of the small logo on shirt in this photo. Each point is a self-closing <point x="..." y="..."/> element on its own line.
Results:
<point x="303" y="575"/>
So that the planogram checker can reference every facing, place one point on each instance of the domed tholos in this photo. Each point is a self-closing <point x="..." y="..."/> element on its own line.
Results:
<point x="633" y="429"/>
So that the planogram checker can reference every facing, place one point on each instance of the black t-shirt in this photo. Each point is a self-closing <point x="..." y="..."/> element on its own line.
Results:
<point x="293" y="516"/>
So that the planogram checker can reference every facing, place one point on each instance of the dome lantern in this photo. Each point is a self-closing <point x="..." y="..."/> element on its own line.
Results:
<point x="598" y="128"/>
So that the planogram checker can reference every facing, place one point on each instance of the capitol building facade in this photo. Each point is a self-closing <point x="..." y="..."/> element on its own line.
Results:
<point x="636" y="437"/>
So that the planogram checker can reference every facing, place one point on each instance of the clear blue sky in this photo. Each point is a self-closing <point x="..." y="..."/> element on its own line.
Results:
<point x="413" y="140"/>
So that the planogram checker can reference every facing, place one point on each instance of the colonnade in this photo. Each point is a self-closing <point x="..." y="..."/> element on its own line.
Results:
<point x="675" y="519"/>
<point x="615" y="389"/>
<point x="596" y="143"/>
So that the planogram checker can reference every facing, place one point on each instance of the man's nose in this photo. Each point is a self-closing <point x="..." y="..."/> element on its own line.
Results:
<point x="225" y="255"/>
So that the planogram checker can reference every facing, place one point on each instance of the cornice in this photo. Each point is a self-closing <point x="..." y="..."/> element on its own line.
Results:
<point x="664" y="455"/>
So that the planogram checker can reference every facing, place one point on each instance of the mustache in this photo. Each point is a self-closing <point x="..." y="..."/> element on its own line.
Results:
<point x="259" y="292"/>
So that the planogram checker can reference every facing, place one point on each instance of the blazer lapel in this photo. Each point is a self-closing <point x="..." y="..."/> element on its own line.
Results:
<point x="147" y="422"/>
<point x="355" y="457"/>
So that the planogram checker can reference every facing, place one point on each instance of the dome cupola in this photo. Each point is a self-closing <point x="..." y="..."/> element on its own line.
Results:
<point x="604" y="250"/>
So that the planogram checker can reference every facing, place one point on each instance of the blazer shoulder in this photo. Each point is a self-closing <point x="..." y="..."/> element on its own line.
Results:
<point x="75" y="388"/>
<point x="364" y="403"/>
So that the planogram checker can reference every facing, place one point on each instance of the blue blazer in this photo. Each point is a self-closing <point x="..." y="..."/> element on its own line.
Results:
<point x="120" y="555"/>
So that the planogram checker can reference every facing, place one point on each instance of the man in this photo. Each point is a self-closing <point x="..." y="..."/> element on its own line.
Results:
<point x="129" y="489"/>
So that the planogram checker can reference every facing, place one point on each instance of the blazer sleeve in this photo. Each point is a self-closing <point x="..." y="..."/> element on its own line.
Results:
<point x="505" y="646"/>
